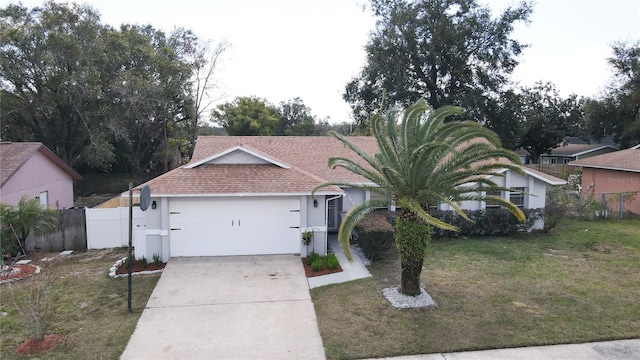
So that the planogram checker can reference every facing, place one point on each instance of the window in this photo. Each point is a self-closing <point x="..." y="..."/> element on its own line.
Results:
<point x="516" y="196"/>
<point x="44" y="199"/>
<point x="554" y="160"/>
<point x="566" y="160"/>
<point x="490" y="205"/>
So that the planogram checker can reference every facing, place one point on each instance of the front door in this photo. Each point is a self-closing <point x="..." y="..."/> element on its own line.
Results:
<point x="333" y="211"/>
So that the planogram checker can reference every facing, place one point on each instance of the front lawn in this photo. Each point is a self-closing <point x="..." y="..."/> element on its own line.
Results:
<point x="87" y="307"/>
<point x="579" y="283"/>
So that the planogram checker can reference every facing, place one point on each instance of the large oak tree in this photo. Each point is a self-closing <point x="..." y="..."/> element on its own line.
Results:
<point x="101" y="98"/>
<point x="617" y="112"/>
<point x="446" y="51"/>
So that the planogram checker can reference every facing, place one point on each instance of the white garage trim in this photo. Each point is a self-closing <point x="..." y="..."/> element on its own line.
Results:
<point x="241" y="195"/>
<point x="234" y="226"/>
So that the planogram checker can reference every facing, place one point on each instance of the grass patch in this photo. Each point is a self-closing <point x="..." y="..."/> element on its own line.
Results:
<point x="576" y="284"/>
<point x="88" y="308"/>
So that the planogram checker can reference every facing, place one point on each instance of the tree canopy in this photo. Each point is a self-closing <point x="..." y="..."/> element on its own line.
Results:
<point x="450" y="52"/>
<point x="249" y="116"/>
<point x="295" y="118"/>
<point x="102" y="99"/>
<point x="537" y="119"/>
<point x="617" y="112"/>
<point x="255" y="116"/>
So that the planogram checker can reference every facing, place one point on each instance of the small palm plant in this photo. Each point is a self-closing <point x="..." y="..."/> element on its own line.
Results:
<point x="422" y="161"/>
<point x="26" y="216"/>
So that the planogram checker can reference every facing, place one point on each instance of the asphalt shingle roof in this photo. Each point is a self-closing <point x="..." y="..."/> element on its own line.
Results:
<point x="625" y="160"/>
<point x="310" y="153"/>
<point x="307" y="157"/>
<point x="576" y="149"/>
<point x="14" y="154"/>
<point x="236" y="179"/>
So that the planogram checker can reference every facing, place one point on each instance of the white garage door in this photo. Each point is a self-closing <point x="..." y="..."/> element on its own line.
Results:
<point x="234" y="226"/>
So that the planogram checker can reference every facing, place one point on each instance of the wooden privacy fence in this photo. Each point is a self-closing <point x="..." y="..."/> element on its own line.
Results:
<point x="70" y="234"/>
<point x="558" y="170"/>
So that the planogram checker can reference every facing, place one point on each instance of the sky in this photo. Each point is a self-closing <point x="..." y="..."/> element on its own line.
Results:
<point x="282" y="49"/>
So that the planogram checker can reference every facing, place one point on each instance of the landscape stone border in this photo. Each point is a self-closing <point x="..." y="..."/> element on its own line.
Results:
<point x="114" y="268"/>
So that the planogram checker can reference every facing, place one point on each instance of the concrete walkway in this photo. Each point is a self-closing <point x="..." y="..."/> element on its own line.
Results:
<point x="605" y="350"/>
<point x="350" y="270"/>
<point x="237" y="307"/>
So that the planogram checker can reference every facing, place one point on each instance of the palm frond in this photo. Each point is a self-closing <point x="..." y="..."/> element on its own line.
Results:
<point x="351" y="219"/>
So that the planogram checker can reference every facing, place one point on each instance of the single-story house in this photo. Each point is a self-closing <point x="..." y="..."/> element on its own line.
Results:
<point x="252" y="195"/>
<point x="575" y="149"/>
<point x="616" y="172"/>
<point x="31" y="169"/>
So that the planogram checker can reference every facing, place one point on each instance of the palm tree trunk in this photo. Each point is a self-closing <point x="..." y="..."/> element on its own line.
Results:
<point x="412" y="235"/>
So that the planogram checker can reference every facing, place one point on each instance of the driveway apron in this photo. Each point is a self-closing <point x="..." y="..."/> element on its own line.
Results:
<point x="238" y="307"/>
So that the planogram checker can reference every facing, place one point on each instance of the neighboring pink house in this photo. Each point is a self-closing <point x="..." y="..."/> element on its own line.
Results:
<point x="31" y="169"/>
<point x="616" y="172"/>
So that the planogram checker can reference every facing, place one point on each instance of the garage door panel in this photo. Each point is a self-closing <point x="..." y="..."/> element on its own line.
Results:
<point x="247" y="226"/>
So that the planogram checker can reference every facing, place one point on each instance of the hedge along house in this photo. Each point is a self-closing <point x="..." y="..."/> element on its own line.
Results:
<point x="31" y="169"/>
<point x="252" y="195"/>
<point x="613" y="173"/>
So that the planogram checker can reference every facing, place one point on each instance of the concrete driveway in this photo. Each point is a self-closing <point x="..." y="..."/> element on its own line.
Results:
<point x="240" y="307"/>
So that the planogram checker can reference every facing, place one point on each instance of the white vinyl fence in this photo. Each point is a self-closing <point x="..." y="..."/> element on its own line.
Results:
<point x="109" y="228"/>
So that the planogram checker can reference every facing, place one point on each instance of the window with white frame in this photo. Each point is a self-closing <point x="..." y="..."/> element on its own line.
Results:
<point x="516" y="196"/>
<point x="44" y="199"/>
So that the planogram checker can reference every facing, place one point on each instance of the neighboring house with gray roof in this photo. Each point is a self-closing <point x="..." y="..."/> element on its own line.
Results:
<point x="575" y="148"/>
<point x="246" y="195"/>
<point x="31" y="169"/>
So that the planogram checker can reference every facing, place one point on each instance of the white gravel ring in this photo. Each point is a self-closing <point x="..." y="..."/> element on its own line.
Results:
<point x="400" y="301"/>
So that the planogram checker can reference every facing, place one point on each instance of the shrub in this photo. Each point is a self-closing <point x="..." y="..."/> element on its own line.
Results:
<point x="332" y="261"/>
<point x="554" y="207"/>
<point x="316" y="265"/>
<point x="488" y="222"/>
<point x="375" y="234"/>
<point x="33" y="304"/>
<point x="306" y="237"/>
<point x="156" y="260"/>
<point x="143" y="262"/>
<point x="313" y="256"/>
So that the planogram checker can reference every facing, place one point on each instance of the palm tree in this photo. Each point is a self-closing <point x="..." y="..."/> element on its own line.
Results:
<point x="26" y="216"/>
<point x="423" y="161"/>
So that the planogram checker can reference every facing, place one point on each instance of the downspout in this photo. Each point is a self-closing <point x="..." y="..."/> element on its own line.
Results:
<point x="326" y="220"/>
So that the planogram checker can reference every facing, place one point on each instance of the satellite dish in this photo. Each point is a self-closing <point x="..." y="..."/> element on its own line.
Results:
<point x="145" y="198"/>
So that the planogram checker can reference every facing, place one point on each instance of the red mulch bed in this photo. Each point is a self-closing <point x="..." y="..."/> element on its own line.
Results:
<point x="22" y="272"/>
<point x="30" y="347"/>
<point x="324" y="271"/>
<point x="137" y="267"/>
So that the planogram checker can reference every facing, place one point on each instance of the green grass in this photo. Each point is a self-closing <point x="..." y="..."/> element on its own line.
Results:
<point x="578" y="283"/>
<point x="87" y="307"/>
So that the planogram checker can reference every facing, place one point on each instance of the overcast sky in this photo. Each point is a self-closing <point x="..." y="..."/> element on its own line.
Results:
<point x="283" y="49"/>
